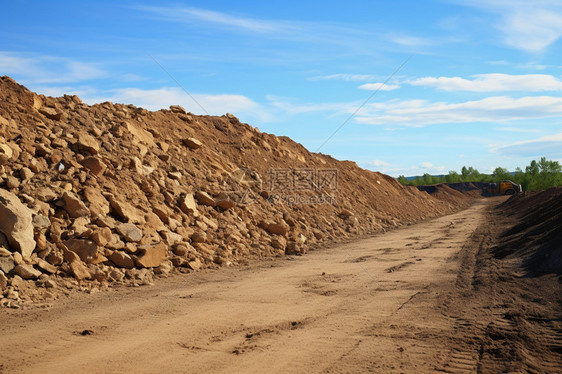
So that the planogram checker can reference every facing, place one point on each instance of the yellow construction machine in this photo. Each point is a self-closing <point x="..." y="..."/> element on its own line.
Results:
<point x="501" y="188"/>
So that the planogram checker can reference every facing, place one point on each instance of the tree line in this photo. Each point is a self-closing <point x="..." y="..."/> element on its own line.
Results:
<point x="538" y="175"/>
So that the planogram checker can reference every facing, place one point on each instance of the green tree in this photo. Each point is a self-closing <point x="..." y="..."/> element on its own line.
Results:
<point x="452" y="177"/>
<point x="500" y="174"/>
<point x="402" y="179"/>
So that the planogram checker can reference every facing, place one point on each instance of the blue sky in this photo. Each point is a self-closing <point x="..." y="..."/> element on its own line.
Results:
<point x="475" y="82"/>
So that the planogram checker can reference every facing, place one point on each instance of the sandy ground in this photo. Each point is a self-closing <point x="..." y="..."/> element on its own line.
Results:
<point x="417" y="299"/>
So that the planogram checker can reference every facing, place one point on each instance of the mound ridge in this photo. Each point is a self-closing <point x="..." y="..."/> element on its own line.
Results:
<point x="120" y="194"/>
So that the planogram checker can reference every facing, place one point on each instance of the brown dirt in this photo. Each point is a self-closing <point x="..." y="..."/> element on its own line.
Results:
<point x="424" y="298"/>
<point x="119" y="163"/>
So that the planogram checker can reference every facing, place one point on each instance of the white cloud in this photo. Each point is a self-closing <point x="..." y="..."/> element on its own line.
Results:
<point x="493" y="82"/>
<point x="161" y="98"/>
<point x="490" y="109"/>
<point x="426" y="165"/>
<point x="377" y="163"/>
<point x="379" y="87"/>
<point x="528" y="25"/>
<point x="548" y="146"/>
<point x="345" y="77"/>
<point x="47" y="69"/>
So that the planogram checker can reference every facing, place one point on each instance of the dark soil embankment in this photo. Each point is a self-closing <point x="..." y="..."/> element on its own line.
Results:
<point x="536" y="233"/>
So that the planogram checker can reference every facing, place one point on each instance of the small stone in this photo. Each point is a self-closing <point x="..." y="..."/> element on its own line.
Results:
<point x="199" y="237"/>
<point x="79" y="270"/>
<point x="46" y="266"/>
<point x="26" y="174"/>
<point x="27" y="271"/>
<point x="175" y="175"/>
<point x="226" y="204"/>
<point x="41" y="222"/>
<point x="195" y="264"/>
<point x="7" y="264"/>
<point x="85" y="249"/>
<point x="193" y="143"/>
<point x="94" y="164"/>
<point x="12" y="182"/>
<point x="189" y="206"/>
<point x="130" y="232"/>
<point x="204" y="199"/>
<point x="3" y="281"/>
<point x="122" y="260"/>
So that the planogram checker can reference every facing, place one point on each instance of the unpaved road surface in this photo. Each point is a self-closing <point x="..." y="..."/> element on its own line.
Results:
<point x="423" y="298"/>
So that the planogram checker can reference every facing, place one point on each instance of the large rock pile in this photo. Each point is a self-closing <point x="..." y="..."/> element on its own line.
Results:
<point x="110" y="193"/>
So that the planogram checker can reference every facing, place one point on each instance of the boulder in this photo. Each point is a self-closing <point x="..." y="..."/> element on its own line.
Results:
<point x="102" y="236"/>
<point x="16" y="223"/>
<point x="87" y="143"/>
<point x="27" y="271"/>
<point x="151" y="255"/>
<point x="130" y="232"/>
<point x="126" y="211"/>
<point x="177" y="109"/>
<point x="277" y="228"/>
<point x="86" y="249"/>
<point x="51" y="113"/>
<point x="99" y="206"/>
<point x="192" y="143"/>
<point x="74" y="206"/>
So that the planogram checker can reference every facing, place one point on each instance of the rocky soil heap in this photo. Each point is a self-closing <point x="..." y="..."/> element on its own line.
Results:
<point x="111" y="193"/>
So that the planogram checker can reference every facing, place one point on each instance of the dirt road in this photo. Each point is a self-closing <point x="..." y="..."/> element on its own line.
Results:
<point x="418" y="299"/>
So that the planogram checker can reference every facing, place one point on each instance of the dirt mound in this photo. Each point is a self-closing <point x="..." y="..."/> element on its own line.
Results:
<point x="537" y="236"/>
<point x="446" y="194"/>
<point x="118" y="194"/>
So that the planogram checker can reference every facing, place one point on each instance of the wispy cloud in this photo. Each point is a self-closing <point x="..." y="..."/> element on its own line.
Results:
<point x="40" y="69"/>
<point x="548" y="146"/>
<point x="490" y="109"/>
<point x="161" y="98"/>
<point x="527" y="25"/>
<point x="493" y="82"/>
<point x="366" y="41"/>
<point x="290" y="107"/>
<point x="191" y="14"/>
<point x="345" y="77"/>
<point x="379" y="86"/>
